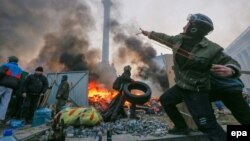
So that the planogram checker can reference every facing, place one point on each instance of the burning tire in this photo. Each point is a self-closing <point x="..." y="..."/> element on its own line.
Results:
<point x="131" y="92"/>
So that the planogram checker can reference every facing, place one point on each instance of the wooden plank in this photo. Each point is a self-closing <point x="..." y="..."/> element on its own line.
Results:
<point x="186" y="115"/>
<point x="194" y="136"/>
<point x="30" y="132"/>
<point x="170" y="72"/>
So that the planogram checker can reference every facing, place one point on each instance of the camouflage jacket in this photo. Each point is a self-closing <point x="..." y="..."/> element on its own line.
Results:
<point x="202" y="56"/>
<point x="63" y="91"/>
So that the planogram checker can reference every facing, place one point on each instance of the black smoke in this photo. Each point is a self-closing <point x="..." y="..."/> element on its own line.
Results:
<point x="60" y="26"/>
<point x="66" y="49"/>
<point x="140" y="54"/>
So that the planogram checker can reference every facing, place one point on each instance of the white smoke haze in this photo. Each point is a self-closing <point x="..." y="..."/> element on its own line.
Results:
<point x="24" y="23"/>
<point x="230" y="18"/>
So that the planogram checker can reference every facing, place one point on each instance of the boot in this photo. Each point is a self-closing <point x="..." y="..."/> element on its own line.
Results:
<point x="179" y="131"/>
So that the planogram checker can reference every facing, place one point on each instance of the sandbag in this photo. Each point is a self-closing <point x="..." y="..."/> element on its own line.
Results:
<point x="90" y="117"/>
<point x="72" y="116"/>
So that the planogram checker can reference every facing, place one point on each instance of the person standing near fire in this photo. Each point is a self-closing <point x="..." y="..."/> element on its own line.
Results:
<point x="62" y="93"/>
<point x="35" y="85"/>
<point x="10" y="75"/>
<point x="126" y="78"/>
<point x="115" y="108"/>
<point x="195" y="57"/>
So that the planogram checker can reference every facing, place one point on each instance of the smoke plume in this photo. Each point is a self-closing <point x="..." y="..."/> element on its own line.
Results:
<point x="54" y="33"/>
<point x="66" y="49"/>
<point x="139" y="54"/>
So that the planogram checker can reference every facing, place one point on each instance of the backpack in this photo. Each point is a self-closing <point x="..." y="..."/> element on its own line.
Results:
<point x="8" y="81"/>
<point x="219" y="83"/>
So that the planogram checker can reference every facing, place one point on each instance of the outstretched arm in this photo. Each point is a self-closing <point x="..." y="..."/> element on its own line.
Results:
<point x="160" y="37"/>
<point x="144" y="32"/>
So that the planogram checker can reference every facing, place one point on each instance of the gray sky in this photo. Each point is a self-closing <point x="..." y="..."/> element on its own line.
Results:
<point x="26" y="29"/>
<point x="230" y="17"/>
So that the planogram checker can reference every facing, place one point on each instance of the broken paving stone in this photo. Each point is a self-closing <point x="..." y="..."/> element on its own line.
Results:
<point x="143" y="127"/>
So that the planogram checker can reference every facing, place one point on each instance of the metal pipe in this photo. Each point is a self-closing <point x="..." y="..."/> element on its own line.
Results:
<point x="245" y="72"/>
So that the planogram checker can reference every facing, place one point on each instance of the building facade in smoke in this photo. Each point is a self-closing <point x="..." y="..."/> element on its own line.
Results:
<point x="239" y="49"/>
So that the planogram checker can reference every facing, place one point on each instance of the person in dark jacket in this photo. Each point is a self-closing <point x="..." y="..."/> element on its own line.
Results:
<point x="62" y="93"/>
<point x="34" y="88"/>
<point x="194" y="58"/>
<point x="126" y="78"/>
<point x="115" y="108"/>
<point x="16" y="104"/>
<point x="10" y="74"/>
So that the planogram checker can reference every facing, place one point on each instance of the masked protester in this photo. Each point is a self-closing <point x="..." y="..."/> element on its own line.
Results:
<point x="62" y="93"/>
<point x="10" y="74"/>
<point x="195" y="57"/>
<point x="115" y="108"/>
<point x="126" y="78"/>
<point x="34" y="88"/>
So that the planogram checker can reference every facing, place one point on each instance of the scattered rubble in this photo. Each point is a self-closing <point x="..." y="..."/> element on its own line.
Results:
<point x="143" y="127"/>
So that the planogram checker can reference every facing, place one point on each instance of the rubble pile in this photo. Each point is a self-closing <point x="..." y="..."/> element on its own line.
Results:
<point x="143" y="127"/>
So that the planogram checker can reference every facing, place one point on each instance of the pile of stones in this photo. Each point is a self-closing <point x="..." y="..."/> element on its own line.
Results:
<point x="143" y="127"/>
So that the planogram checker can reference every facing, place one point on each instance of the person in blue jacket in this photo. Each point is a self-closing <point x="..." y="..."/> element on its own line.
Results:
<point x="10" y="74"/>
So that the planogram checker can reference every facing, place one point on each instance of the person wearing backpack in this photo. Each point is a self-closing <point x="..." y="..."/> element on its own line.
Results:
<point x="10" y="74"/>
<point x="195" y="57"/>
<point x="34" y="88"/>
<point x="16" y="101"/>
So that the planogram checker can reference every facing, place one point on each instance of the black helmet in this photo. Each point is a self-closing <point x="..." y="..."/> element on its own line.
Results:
<point x="12" y="59"/>
<point x="202" y="21"/>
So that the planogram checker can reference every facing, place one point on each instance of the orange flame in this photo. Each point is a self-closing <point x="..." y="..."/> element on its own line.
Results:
<point x="97" y="91"/>
<point x="99" y="94"/>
